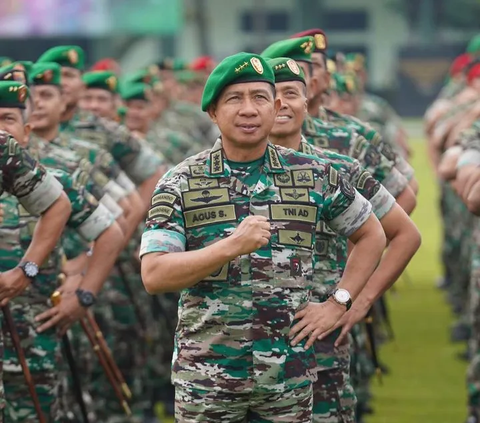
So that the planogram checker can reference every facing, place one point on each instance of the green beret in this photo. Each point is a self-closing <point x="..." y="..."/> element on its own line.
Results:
<point x="355" y="61"/>
<point x="14" y="72"/>
<point x="286" y="69"/>
<point x="67" y="56"/>
<point x="143" y="76"/>
<point x="45" y="73"/>
<point x="241" y="67"/>
<point x="186" y="77"/>
<point x="173" y="64"/>
<point x="26" y="64"/>
<point x="295" y="48"/>
<point x="105" y="80"/>
<point x="136" y="91"/>
<point x="345" y="83"/>
<point x="5" y="61"/>
<point x="473" y="46"/>
<point x="13" y="94"/>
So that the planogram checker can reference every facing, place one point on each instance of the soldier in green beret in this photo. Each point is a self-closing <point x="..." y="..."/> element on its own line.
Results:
<point x="19" y="226"/>
<point x="227" y="229"/>
<point x="101" y="94"/>
<point x="333" y="394"/>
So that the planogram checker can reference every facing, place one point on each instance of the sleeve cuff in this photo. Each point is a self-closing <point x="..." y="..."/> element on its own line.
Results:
<point x="112" y="206"/>
<point x="395" y="182"/>
<point x="469" y="157"/>
<point x="144" y="165"/>
<point x="96" y="223"/>
<point x="125" y="182"/>
<point x="115" y="191"/>
<point x="382" y="202"/>
<point x="353" y="217"/>
<point x="45" y="194"/>
<point x="162" y="241"/>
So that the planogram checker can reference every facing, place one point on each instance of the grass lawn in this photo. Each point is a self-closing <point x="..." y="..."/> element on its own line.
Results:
<point x="426" y="384"/>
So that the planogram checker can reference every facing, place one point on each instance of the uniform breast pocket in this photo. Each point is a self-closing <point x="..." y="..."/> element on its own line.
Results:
<point x="292" y="254"/>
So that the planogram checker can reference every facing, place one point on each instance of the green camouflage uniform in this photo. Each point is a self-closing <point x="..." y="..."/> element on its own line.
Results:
<point x="35" y="189"/>
<point x="42" y="350"/>
<point x="115" y="311"/>
<point x="232" y="344"/>
<point x="470" y="141"/>
<point x="334" y="398"/>
<point x="174" y="145"/>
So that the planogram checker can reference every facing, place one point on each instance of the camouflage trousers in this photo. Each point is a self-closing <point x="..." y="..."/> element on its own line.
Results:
<point x="192" y="406"/>
<point x="333" y="395"/>
<point x="473" y="373"/>
<point x="19" y="405"/>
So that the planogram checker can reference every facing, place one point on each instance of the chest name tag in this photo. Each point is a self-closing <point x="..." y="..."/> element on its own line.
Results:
<point x="209" y="215"/>
<point x="298" y="213"/>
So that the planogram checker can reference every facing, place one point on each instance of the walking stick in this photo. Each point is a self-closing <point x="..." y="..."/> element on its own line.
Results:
<point x="67" y="349"/>
<point x="23" y="363"/>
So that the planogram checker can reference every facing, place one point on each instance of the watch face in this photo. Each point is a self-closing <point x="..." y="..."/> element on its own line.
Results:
<point x="342" y="296"/>
<point x="31" y="269"/>
<point x="87" y="298"/>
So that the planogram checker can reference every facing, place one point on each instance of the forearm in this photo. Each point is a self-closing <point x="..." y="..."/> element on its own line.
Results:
<point x="176" y="271"/>
<point x="105" y="252"/>
<point x="399" y="253"/>
<point x="48" y="231"/>
<point x="361" y="263"/>
<point x="407" y="200"/>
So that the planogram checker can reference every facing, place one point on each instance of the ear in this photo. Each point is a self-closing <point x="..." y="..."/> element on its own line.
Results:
<point x="306" y="105"/>
<point x="27" y="129"/>
<point x="313" y="88"/>
<point x="212" y="112"/>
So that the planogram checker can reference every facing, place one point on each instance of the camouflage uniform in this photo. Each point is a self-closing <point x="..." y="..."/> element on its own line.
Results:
<point x="34" y="188"/>
<point x="371" y="135"/>
<point x="232" y="343"/>
<point x="334" y="398"/>
<point x="42" y="350"/>
<point x="174" y="145"/>
<point x="116" y="311"/>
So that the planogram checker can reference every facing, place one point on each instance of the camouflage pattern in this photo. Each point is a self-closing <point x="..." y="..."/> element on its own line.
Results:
<point x="22" y="177"/>
<point x="345" y="141"/>
<point x="332" y="390"/>
<point x="137" y="160"/>
<point x="202" y="200"/>
<point x="174" y="145"/>
<point x="370" y="134"/>
<point x="42" y="350"/>
<point x="195" y="405"/>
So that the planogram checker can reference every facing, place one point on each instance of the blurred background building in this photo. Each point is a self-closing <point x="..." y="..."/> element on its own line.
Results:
<point x="409" y="44"/>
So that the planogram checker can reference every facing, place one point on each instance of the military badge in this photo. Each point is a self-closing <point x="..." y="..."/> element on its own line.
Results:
<point x="320" y="41"/>
<point x="72" y="56"/>
<point x="292" y="65"/>
<point x="111" y="83"/>
<point x="295" y="266"/>
<point x="257" y="65"/>
<point x="22" y="93"/>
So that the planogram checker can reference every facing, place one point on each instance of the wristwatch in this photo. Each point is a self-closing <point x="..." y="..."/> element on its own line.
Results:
<point x="29" y="268"/>
<point x="342" y="297"/>
<point x="85" y="298"/>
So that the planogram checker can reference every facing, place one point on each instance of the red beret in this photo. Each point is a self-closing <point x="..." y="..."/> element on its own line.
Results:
<point x="460" y="63"/>
<point x="203" y="63"/>
<point x="319" y="36"/>
<point x="473" y="73"/>
<point x="106" y="64"/>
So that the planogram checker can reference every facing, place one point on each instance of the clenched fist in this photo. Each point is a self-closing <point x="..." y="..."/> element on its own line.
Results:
<point x="252" y="234"/>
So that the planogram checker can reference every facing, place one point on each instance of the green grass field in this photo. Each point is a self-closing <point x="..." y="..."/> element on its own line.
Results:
<point x="426" y="384"/>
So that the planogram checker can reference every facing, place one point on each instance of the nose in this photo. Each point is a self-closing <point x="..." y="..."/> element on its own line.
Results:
<point x="248" y="108"/>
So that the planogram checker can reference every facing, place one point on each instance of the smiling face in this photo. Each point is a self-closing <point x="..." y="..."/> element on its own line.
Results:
<point x="99" y="101"/>
<point x="293" y="110"/>
<point x="11" y="121"/>
<point x="245" y="114"/>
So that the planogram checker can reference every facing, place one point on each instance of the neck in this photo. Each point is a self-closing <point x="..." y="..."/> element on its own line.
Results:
<point x="289" y="141"/>
<point x="46" y="134"/>
<point x="236" y="154"/>
<point x="69" y="113"/>
<point x="314" y="105"/>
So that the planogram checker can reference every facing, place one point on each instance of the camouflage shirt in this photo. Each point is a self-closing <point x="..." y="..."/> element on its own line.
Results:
<point x="24" y="178"/>
<point x="331" y="249"/>
<point x="344" y="141"/>
<point x="89" y="219"/>
<point x="137" y="160"/>
<point x="233" y="326"/>
<point x="371" y="135"/>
